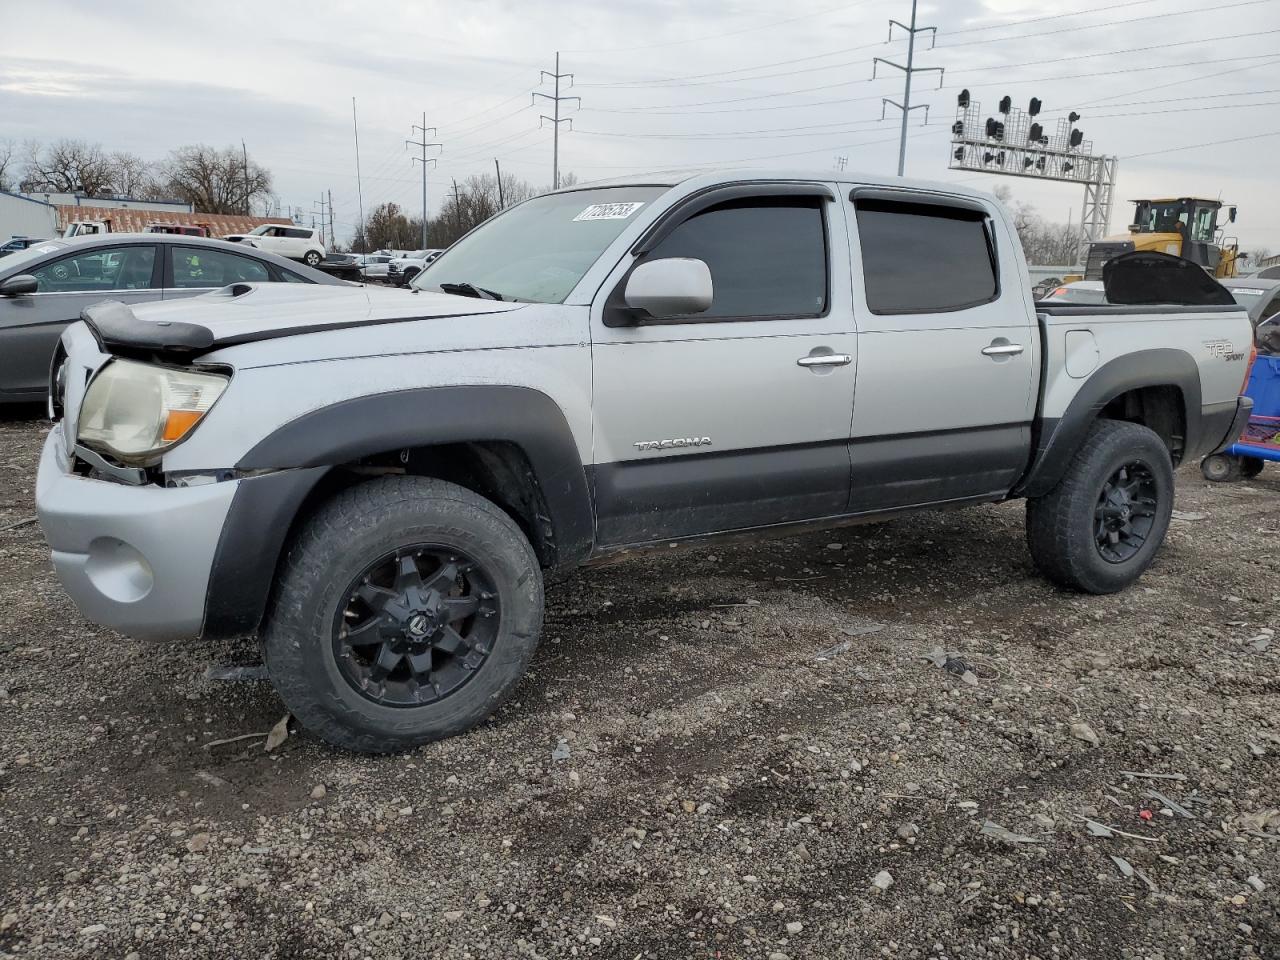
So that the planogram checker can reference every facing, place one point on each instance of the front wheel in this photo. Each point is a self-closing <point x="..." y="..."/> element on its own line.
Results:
<point x="406" y="611"/>
<point x="1101" y="526"/>
<point x="312" y="258"/>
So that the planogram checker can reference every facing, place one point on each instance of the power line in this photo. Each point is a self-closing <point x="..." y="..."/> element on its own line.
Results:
<point x="698" y="80"/>
<point x="721" y="36"/>
<point x="1197" y="146"/>
<point x="665" y="109"/>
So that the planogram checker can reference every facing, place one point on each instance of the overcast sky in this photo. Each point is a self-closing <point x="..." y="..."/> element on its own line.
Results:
<point x="664" y="83"/>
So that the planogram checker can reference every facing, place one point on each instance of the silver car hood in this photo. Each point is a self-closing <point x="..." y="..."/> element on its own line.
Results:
<point x="245" y="312"/>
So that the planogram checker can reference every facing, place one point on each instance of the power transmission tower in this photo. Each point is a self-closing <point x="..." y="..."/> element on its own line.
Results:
<point x="910" y="69"/>
<point x="321" y="211"/>
<point x="424" y="160"/>
<point x="555" y="120"/>
<point x="841" y="162"/>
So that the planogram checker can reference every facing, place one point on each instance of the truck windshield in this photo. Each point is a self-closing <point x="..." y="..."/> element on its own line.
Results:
<point x="538" y="250"/>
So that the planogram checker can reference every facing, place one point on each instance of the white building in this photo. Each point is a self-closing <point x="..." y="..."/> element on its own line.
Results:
<point x="24" y="217"/>
<point x="113" y="203"/>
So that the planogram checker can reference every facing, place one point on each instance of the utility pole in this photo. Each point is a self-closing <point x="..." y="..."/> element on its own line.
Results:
<point x="555" y="119"/>
<point x="333" y="237"/>
<point x="244" y="151"/>
<point x="423" y="160"/>
<point x="457" y="207"/>
<point x="905" y="106"/>
<point x="355" y="127"/>
<point x="498" y="170"/>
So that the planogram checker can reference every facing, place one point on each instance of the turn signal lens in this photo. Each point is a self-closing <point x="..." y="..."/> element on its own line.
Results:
<point x="134" y="411"/>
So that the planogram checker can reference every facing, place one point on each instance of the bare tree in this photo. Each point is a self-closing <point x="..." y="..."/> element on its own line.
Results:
<point x="8" y="164"/>
<point x="214" y="181"/>
<point x="66" y="166"/>
<point x="1043" y="242"/>
<point x="131" y="176"/>
<point x="387" y="227"/>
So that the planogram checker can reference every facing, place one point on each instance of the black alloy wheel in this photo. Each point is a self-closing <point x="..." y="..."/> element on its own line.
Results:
<point x="416" y="625"/>
<point x="1125" y="512"/>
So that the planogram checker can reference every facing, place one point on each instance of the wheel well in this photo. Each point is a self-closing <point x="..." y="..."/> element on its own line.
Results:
<point x="498" y="471"/>
<point x="1160" y="409"/>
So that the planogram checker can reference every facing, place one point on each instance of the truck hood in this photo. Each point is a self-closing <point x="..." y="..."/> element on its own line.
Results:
<point x="247" y="312"/>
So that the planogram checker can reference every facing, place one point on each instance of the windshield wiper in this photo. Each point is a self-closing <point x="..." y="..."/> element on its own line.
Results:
<point x="470" y="290"/>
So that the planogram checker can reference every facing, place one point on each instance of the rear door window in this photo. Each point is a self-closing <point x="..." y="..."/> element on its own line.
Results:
<point x="200" y="267"/>
<point x="925" y="258"/>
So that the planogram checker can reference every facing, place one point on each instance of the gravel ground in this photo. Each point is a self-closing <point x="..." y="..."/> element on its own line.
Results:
<point x="728" y="752"/>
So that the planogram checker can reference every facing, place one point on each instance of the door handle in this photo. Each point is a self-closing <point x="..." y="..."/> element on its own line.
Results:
<point x="1002" y="350"/>
<point x="825" y="360"/>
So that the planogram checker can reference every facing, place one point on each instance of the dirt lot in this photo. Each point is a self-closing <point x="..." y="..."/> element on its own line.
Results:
<point x="704" y="762"/>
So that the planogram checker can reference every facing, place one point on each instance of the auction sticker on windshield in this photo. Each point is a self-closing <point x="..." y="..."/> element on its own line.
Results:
<point x="609" y="211"/>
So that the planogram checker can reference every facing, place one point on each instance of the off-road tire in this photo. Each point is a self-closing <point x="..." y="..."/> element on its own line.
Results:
<point x="1250" y="467"/>
<point x="1221" y="468"/>
<point x="312" y="258"/>
<point x="1061" y="532"/>
<point x="336" y="543"/>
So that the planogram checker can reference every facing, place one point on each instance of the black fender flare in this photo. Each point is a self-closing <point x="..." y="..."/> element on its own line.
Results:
<point x="285" y="466"/>
<point x="1059" y="439"/>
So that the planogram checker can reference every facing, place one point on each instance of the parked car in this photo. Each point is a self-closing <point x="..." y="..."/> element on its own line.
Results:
<point x="45" y="287"/>
<point x="1258" y="295"/>
<point x="374" y="266"/>
<point x="345" y="266"/>
<point x="14" y="244"/>
<point x="375" y="483"/>
<point x="291" y="242"/>
<point x="401" y="270"/>
<point x="1081" y="291"/>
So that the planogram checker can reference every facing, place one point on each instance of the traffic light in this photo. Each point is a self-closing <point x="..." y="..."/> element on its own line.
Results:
<point x="1072" y="117"/>
<point x="963" y="99"/>
<point x="1034" y="107"/>
<point x="1068" y="167"/>
<point x="995" y="129"/>
<point x="1027" y="162"/>
<point x="1077" y="137"/>
<point x="1036" y="133"/>
<point x="959" y="154"/>
<point x="1006" y="104"/>
<point x="957" y="128"/>
<point x="1040" y="164"/>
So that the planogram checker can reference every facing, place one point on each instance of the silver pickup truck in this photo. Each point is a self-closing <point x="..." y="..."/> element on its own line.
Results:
<point x="375" y="482"/>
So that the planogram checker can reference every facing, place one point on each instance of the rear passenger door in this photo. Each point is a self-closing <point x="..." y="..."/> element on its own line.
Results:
<point x="194" y="270"/>
<point x="948" y="351"/>
<point x="709" y="422"/>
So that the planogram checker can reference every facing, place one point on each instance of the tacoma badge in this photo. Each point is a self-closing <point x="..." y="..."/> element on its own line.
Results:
<point x="676" y="442"/>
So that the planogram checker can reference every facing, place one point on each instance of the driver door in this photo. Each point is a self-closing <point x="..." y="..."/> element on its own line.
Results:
<point x="721" y="420"/>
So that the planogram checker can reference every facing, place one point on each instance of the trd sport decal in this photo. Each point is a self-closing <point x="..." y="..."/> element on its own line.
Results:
<point x="676" y="442"/>
<point x="1223" y="350"/>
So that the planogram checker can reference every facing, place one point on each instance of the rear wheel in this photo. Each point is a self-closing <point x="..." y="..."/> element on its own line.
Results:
<point x="312" y="258"/>
<point x="1101" y="526"/>
<point x="406" y="611"/>
<point x="1221" y="468"/>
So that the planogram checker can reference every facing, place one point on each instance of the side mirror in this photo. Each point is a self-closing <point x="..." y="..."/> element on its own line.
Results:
<point x="19" y="286"/>
<point x="1231" y="214"/>
<point x="670" y="288"/>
